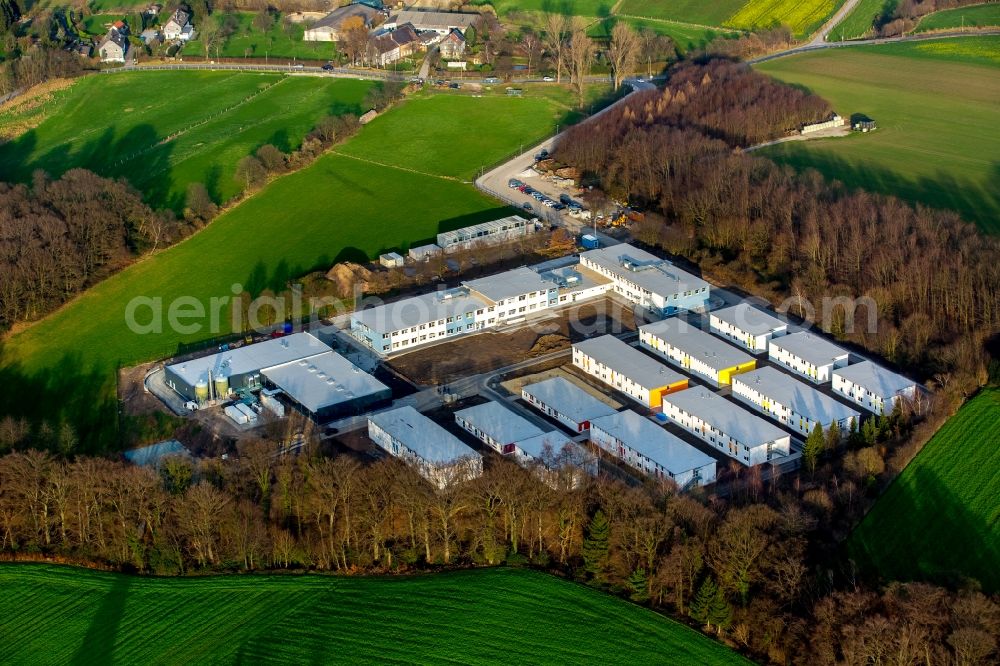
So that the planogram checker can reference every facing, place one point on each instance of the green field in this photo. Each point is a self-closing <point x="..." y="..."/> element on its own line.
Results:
<point x="935" y="105"/>
<point x="276" y="43"/>
<point x="688" y="11"/>
<point x="941" y="517"/>
<point x="338" y="208"/>
<point x="859" y="22"/>
<point x="803" y="16"/>
<point x="686" y="36"/>
<point x="565" y="7"/>
<point x="161" y="130"/>
<point x="977" y="16"/>
<point x="53" y="615"/>
<point x="108" y="5"/>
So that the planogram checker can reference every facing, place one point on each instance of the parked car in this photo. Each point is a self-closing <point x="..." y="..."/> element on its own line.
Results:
<point x="328" y="67"/>
<point x="566" y="199"/>
<point x="455" y="85"/>
<point x="514" y="183"/>
<point x="559" y="206"/>
<point x="543" y="154"/>
<point x="527" y="206"/>
<point x="491" y="79"/>
<point x="547" y="78"/>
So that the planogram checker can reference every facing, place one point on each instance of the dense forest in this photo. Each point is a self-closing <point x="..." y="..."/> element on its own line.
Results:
<point x="933" y="280"/>
<point x="750" y="564"/>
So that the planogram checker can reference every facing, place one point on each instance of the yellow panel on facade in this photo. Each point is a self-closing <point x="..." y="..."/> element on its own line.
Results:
<point x="656" y="395"/>
<point x="725" y="376"/>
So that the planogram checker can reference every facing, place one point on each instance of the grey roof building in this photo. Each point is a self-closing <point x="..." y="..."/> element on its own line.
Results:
<point x="872" y="386"/>
<point x="797" y="405"/>
<point x="808" y="354"/>
<point x="566" y="402"/>
<point x="510" y="284"/>
<point x="440" y="22"/>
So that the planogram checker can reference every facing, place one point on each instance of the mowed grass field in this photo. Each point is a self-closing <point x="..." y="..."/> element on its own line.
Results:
<point x="688" y="11"/>
<point x="163" y="130"/>
<point x="338" y="208"/>
<point x="935" y="103"/>
<point x="940" y="518"/>
<point x="276" y="43"/>
<point x="978" y="16"/>
<point x="565" y="7"/>
<point x="52" y="615"/>
<point x="861" y="19"/>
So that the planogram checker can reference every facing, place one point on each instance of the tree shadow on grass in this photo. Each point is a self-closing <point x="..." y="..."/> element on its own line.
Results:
<point x="946" y="544"/>
<point x="65" y="391"/>
<point x="98" y="645"/>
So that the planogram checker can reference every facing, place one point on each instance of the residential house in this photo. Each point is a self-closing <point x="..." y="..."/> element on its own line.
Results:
<point x="796" y="405"/>
<point x="747" y="326"/>
<point x="808" y="354"/>
<point x="872" y="386"/>
<point x="178" y="26"/>
<point x="330" y="27"/>
<point x="390" y="47"/>
<point x="453" y="45"/>
<point x="114" y="47"/>
<point x="440" y="22"/>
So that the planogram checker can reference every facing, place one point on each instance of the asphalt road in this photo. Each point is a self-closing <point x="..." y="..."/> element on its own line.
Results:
<point x="812" y="46"/>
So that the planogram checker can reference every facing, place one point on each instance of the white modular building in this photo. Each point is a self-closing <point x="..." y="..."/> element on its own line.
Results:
<point x="808" y="354"/>
<point x="515" y="293"/>
<point x="726" y="426"/>
<point x="576" y="283"/>
<point x="692" y="349"/>
<point x="496" y="231"/>
<point x="566" y="402"/>
<point x="649" y="448"/>
<point x="647" y="280"/>
<point x="747" y="326"/>
<point x="477" y="305"/>
<point x="439" y="456"/>
<point x="637" y="375"/>
<point x="872" y="386"/>
<point x="423" y="252"/>
<point x="798" y="406"/>
<point x="507" y="432"/>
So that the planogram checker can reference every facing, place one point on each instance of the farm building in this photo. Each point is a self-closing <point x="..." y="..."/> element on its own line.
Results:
<point x="627" y="369"/>
<point x="649" y="448"/>
<point x="833" y="121"/>
<point x="508" y="433"/>
<point x="215" y="375"/>
<point x="747" y="326"/>
<point x="423" y="252"/>
<point x="732" y="429"/>
<point x="797" y="405"/>
<point x="453" y="45"/>
<point x="566" y="402"/>
<point x="391" y="259"/>
<point x="328" y="28"/>
<point x="388" y="47"/>
<point x="440" y="22"/>
<point x="808" y="354"/>
<point x="695" y="350"/>
<point x="495" y="231"/>
<point x="576" y="283"/>
<point x="328" y="386"/>
<point x="872" y="386"/>
<point x="439" y="456"/>
<point x="515" y="293"/>
<point x="647" y="280"/>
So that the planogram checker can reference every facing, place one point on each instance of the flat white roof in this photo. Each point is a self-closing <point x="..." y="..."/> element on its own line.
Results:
<point x="725" y="416"/>
<point x="750" y="319"/>
<point x="810" y="347"/>
<point x="653" y="441"/>
<point x="498" y="422"/>
<point x="483" y="230"/>
<point x="422" y="436"/>
<point x="696" y="343"/>
<point x="641" y="368"/>
<point x="875" y="378"/>
<point x="424" y="250"/>
<point x="420" y="310"/>
<point x="509" y="284"/>
<point x="795" y="395"/>
<point x="656" y="275"/>
<point x="573" y="278"/>
<point x="250" y="358"/>
<point x="549" y="444"/>
<point x="323" y="381"/>
<point x="568" y="399"/>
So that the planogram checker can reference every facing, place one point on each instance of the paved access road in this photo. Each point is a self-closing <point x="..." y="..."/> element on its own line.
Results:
<point x="813" y="46"/>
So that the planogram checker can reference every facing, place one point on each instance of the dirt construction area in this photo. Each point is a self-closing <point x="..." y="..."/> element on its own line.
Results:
<point x="484" y="352"/>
